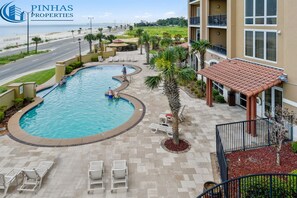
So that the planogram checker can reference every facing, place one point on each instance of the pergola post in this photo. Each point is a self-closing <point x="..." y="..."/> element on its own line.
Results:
<point x="209" y="92"/>
<point x="248" y="113"/>
<point x="253" y="115"/>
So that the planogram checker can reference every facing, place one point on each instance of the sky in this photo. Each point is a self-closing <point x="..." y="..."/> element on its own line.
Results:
<point x="111" y="11"/>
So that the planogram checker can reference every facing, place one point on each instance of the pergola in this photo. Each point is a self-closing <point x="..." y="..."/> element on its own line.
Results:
<point x="244" y="77"/>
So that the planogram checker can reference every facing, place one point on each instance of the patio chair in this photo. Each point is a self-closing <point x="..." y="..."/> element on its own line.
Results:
<point x="116" y="59"/>
<point x="110" y="59"/>
<point x="168" y="116"/>
<point x="119" y="175"/>
<point x="95" y="175"/>
<point x="134" y="59"/>
<point x="7" y="179"/>
<point x="162" y="128"/>
<point x="100" y="59"/>
<point x="33" y="176"/>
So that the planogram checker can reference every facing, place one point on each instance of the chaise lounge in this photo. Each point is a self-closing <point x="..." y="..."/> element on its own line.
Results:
<point x="95" y="174"/>
<point x="119" y="175"/>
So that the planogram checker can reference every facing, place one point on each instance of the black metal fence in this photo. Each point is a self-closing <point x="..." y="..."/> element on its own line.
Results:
<point x="217" y="20"/>
<point x="241" y="136"/>
<point x="262" y="185"/>
<point x="219" y="49"/>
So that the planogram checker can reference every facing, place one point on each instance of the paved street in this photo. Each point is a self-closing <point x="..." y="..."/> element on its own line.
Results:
<point x="60" y="50"/>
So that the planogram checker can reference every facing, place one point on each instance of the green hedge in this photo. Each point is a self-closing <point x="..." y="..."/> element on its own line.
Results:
<point x="2" y="116"/>
<point x="215" y="93"/>
<point x="259" y="187"/>
<point x="73" y="66"/>
<point x="2" y="89"/>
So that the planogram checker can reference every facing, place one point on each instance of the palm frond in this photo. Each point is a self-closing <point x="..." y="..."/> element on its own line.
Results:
<point x="185" y="74"/>
<point x="153" y="82"/>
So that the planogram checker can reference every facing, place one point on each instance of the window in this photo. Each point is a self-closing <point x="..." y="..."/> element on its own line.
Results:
<point x="260" y="12"/>
<point x="219" y="87"/>
<point x="261" y="44"/>
<point x="249" y="44"/>
<point x="242" y="100"/>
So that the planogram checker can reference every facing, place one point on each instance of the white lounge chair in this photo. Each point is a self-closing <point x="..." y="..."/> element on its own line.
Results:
<point x="100" y="59"/>
<point x="116" y="59"/>
<point x="95" y="174"/>
<point x="163" y="128"/>
<point x="168" y="116"/>
<point x="119" y="175"/>
<point x="134" y="59"/>
<point x="7" y="179"/>
<point x="110" y="59"/>
<point x="33" y="176"/>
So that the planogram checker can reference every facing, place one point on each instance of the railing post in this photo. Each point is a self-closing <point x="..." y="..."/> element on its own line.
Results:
<point x="243" y="136"/>
<point x="268" y="132"/>
<point x="270" y="179"/>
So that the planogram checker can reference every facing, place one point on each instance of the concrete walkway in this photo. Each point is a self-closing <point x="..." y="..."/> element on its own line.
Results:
<point x="153" y="172"/>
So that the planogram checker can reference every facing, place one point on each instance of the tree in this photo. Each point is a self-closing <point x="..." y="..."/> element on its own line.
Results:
<point x="200" y="47"/>
<point x="166" y="42"/>
<point x="111" y="38"/>
<point x="36" y="41"/>
<point x="146" y="41"/>
<point x="100" y="30"/>
<point x="100" y="36"/>
<point x="130" y="28"/>
<point x="280" y="130"/>
<point x="90" y="38"/>
<point x="109" y="28"/>
<point x="79" y="30"/>
<point x="170" y="75"/>
<point x="181" y="55"/>
<point x="155" y="41"/>
<point x="177" y="37"/>
<point x="138" y="33"/>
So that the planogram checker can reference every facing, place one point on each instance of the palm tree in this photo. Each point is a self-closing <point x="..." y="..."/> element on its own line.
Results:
<point x="111" y="38"/>
<point x="181" y="54"/>
<point x="138" y="33"/>
<point x="99" y="37"/>
<point x="155" y="40"/>
<point x="100" y="30"/>
<point x="79" y="30"/>
<point x="90" y="38"/>
<point x="200" y="47"/>
<point x="146" y="41"/>
<point x="170" y="75"/>
<point x="166" y="42"/>
<point x="109" y="28"/>
<point x="36" y="41"/>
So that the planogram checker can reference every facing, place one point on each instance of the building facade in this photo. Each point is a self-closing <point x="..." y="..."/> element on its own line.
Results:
<point x="262" y="32"/>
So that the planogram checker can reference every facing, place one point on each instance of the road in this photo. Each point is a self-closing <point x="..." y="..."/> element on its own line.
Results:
<point x="60" y="50"/>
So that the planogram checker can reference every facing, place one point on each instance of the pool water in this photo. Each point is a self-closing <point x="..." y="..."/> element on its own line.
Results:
<point x="80" y="108"/>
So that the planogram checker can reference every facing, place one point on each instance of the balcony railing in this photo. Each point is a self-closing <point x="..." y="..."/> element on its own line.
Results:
<point x="195" y="21"/>
<point x="192" y="1"/>
<point x="217" y="20"/>
<point x="219" y="49"/>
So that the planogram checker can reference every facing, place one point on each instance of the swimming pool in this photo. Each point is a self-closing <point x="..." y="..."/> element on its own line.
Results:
<point x="80" y="108"/>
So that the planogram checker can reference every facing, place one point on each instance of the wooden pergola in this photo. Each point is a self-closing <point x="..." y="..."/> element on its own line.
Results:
<point x="244" y="77"/>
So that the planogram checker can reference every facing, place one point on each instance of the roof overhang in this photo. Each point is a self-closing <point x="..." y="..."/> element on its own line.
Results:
<point x="244" y="77"/>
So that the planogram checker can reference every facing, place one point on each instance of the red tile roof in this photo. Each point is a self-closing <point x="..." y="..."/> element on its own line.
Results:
<point x="243" y="77"/>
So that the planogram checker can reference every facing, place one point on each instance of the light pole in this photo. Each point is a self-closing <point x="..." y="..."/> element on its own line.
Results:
<point x="28" y="31"/>
<point x="79" y="47"/>
<point x="91" y="18"/>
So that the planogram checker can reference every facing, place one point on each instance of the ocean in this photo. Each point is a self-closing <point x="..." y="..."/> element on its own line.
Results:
<point x="17" y="30"/>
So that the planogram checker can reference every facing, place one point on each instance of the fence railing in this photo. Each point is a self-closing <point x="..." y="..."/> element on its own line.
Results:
<point x="244" y="135"/>
<point x="195" y="21"/>
<point x="217" y="20"/>
<point x="262" y="185"/>
<point x="219" y="49"/>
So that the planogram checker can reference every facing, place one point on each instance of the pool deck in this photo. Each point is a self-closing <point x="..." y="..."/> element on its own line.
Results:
<point x="153" y="172"/>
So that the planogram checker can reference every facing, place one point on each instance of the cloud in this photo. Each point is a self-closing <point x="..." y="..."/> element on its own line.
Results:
<point x="105" y="15"/>
<point x="146" y="15"/>
<point x="170" y="14"/>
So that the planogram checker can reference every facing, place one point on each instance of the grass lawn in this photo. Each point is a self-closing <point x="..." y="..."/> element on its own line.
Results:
<point x="38" y="77"/>
<point x="7" y="59"/>
<point x="173" y="30"/>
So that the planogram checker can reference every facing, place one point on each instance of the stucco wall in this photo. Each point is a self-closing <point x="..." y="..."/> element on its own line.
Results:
<point x="6" y="98"/>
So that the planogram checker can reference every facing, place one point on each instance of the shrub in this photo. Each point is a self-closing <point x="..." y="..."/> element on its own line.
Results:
<point x="192" y="89"/>
<point x="259" y="186"/>
<point x="18" y="102"/>
<point x="215" y="93"/>
<point x="2" y="89"/>
<point x="294" y="149"/>
<point x="94" y="59"/>
<point x="2" y="116"/>
<point x="199" y="82"/>
<point x="3" y="108"/>
<point x="77" y="64"/>
<point x="69" y="69"/>
<point x="220" y="99"/>
<point x="28" y="99"/>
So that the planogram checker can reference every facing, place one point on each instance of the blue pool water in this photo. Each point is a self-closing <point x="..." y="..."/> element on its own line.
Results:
<point x="80" y="108"/>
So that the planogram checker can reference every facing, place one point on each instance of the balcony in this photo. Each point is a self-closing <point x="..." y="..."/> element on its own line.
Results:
<point x="192" y="1"/>
<point x="217" y="20"/>
<point x="219" y="49"/>
<point x="195" y="21"/>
